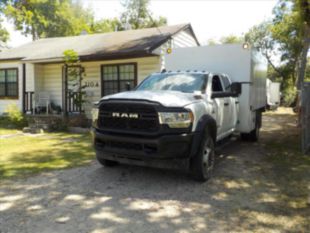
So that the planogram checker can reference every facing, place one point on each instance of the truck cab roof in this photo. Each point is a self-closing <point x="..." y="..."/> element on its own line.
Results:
<point x="183" y="71"/>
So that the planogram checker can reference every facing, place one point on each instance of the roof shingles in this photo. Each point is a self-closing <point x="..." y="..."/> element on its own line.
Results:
<point x="104" y="45"/>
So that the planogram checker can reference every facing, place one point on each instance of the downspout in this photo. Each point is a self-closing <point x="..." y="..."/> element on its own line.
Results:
<point x="24" y="88"/>
<point x="64" y="92"/>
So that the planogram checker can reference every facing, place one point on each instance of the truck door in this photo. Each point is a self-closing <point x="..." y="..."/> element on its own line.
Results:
<point x="218" y="104"/>
<point x="230" y="106"/>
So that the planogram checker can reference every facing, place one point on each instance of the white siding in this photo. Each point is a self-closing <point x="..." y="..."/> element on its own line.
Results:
<point x="5" y="102"/>
<point x="180" y="40"/>
<point x="30" y="74"/>
<point x="52" y="77"/>
<point x="183" y="39"/>
<point x="51" y="82"/>
<point x="38" y="74"/>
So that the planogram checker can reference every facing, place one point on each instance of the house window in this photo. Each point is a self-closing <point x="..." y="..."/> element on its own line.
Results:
<point x="9" y="83"/>
<point x="115" y="77"/>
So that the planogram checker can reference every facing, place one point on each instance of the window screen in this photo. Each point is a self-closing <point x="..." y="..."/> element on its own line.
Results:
<point x="8" y="83"/>
<point x="115" y="78"/>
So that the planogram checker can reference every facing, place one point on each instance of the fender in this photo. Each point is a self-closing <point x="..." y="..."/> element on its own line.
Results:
<point x="206" y="122"/>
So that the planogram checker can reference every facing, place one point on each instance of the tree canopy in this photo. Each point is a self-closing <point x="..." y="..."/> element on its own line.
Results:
<point x="4" y="34"/>
<point x="106" y="25"/>
<point x="231" y="39"/>
<point x="49" y="18"/>
<point x="138" y="15"/>
<point x="285" y="36"/>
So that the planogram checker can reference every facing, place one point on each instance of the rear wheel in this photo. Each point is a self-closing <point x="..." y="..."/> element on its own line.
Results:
<point x="253" y="136"/>
<point x="106" y="162"/>
<point x="202" y="163"/>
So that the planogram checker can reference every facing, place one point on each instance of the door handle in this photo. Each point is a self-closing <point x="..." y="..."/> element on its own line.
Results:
<point x="237" y="102"/>
<point x="226" y="104"/>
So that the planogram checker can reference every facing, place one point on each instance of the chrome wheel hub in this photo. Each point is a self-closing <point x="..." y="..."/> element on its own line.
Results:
<point x="208" y="156"/>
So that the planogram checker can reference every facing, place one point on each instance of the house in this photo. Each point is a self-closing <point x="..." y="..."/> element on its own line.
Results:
<point x="109" y="61"/>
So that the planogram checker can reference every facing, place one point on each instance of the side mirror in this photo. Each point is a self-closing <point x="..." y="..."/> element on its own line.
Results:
<point x="236" y="89"/>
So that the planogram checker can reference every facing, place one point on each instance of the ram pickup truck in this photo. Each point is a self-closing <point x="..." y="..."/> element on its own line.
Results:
<point x="174" y="119"/>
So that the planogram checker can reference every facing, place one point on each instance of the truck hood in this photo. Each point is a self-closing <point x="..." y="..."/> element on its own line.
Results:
<point x="165" y="98"/>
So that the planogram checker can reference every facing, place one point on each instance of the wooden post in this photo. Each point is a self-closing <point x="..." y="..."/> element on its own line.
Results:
<point x="64" y="91"/>
<point x="305" y="118"/>
<point x="24" y="89"/>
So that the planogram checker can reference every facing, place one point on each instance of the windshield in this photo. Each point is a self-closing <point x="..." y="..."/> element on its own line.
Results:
<point x="187" y="83"/>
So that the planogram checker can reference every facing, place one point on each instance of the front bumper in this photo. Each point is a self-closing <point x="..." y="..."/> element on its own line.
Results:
<point x="109" y="146"/>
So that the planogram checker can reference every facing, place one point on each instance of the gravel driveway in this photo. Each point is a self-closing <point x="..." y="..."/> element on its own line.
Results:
<point x="244" y="195"/>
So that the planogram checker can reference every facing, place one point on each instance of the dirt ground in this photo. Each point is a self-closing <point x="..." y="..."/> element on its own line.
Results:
<point x="260" y="187"/>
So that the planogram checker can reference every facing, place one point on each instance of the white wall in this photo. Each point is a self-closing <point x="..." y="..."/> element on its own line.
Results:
<point x="5" y="102"/>
<point x="183" y="39"/>
<point x="51" y="80"/>
<point x="38" y="74"/>
<point x="30" y="74"/>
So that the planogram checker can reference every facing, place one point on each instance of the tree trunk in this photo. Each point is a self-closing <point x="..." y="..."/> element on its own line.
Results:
<point x="303" y="58"/>
<point x="274" y="67"/>
<point x="34" y="33"/>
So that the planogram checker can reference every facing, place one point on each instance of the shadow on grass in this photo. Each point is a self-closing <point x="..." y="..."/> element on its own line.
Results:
<point x="30" y="155"/>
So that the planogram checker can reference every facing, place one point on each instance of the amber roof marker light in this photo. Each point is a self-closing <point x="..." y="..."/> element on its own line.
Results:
<point x="246" y="45"/>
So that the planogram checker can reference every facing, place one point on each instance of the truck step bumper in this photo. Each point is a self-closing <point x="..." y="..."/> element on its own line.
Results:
<point x="139" y="148"/>
<point x="174" y="164"/>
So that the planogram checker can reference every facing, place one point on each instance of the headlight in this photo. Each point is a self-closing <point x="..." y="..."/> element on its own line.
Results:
<point x="94" y="115"/>
<point x="176" y="119"/>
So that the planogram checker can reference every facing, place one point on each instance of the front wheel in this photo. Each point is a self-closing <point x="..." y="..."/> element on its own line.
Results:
<point x="202" y="163"/>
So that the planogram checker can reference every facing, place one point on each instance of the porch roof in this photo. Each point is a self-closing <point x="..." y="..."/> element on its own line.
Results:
<point x="112" y="45"/>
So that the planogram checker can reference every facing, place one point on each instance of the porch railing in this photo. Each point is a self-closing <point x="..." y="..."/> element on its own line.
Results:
<point x="73" y="102"/>
<point x="28" y="101"/>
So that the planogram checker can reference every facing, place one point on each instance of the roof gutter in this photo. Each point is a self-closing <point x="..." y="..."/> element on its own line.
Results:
<point x="11" y="59"/>
<point x="49" y="60"/>
<point x="88" y="58"/>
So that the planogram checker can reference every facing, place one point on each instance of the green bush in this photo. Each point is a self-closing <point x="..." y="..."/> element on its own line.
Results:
<point x="289" y="96"/>
<point x="13" y="118"/>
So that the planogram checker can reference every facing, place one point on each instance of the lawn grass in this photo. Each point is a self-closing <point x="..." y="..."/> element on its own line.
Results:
<point x="25" y="155"/>
<point x="283" y="147"/>
<point x="284" y="143"/>
<point x="4" y="131"/>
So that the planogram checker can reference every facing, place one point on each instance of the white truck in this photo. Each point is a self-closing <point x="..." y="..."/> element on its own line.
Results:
<point x="176" y="117"/>
<point x="273" y="94"/>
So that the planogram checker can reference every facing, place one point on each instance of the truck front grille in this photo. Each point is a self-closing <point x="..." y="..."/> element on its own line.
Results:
<point x="128" y="117"/>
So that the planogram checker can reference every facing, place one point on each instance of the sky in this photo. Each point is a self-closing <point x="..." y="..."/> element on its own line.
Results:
<point x="209" y="18"/>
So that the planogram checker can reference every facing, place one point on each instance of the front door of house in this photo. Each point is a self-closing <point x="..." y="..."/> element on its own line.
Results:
<point x="116" y="77"/>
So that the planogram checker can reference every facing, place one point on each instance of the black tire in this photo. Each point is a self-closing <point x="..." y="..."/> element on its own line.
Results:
<point x="106" y="162"/>
<point x="253" y="136"/>
<point x="202" y="164"/>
